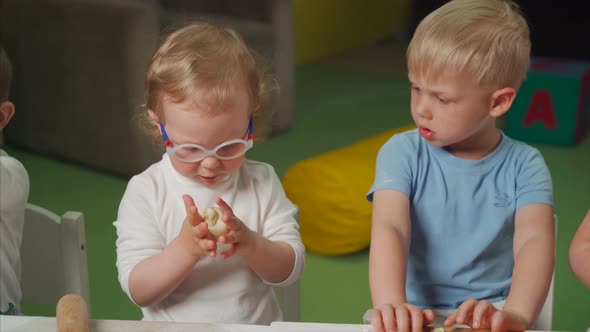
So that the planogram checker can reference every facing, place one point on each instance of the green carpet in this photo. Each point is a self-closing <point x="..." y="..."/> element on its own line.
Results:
<point x="334" y="108"/>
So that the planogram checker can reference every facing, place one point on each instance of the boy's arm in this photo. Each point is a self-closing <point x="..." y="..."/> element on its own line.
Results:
<point x="579" y="253"/>
<point x="390" y="245"/>
<point x="534" y="259"/>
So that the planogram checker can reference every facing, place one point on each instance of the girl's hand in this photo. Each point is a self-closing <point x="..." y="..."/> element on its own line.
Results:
<point x="402" y="318"/>
<point x="194" y="235"/>
<point x="240" y="238"/>
<point x="483" y="315"/>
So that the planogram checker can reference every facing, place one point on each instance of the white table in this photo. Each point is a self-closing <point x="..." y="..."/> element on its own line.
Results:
<point x="319" y="327"/>
<point x="47" y="324"/>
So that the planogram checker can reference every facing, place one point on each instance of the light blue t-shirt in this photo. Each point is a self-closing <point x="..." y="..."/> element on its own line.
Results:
<point x="462" y="215"/>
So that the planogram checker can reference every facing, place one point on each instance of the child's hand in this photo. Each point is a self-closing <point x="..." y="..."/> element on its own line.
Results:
<point x="402" y="318"/>
<point x="239" y="238"/>
<point x="483" y="315"/>
<point x="194" y="234"/>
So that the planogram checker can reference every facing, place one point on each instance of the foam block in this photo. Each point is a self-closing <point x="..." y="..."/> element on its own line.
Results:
<point x="330" y="190"/>
<point x="553" y="104"/>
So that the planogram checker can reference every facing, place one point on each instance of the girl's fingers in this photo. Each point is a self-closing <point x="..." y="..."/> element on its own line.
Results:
<point x="224" y="206"/>
<point x="228" y="217"/>
<point x="192" y="213"/>
<point x="229" y="252"/>
<point x="228" y="238"/>
<point x="209" y="247"/>
<point x="201" y="230"/>
<point x="231" y="221"/>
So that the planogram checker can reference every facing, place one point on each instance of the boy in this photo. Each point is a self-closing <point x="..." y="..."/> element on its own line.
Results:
<point x="14" y="192"/>
<point x="462" y="227"/>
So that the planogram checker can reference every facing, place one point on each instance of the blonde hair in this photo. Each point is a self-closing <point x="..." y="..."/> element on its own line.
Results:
<point x="486" y="39"/>
<point x="5" y="75"/>
<point x="207" y="63"/>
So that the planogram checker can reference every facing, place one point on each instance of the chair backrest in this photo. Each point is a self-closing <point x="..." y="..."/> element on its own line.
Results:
<point x="289" y="298"/>
<point x="545" y="319"/>
<point x="53" y="255"/>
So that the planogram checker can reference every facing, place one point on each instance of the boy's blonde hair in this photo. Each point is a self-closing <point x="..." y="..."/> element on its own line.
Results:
<point x="208" y="64"/>
<point x="5" y="75"/>
<point x="486" y="39"/>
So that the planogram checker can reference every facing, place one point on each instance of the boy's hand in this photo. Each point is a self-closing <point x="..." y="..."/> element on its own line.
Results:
<point x="194" y="234"/>
<point x="240" y="238"/>
<point x="483" y="315"/>
<point x="402" y="318"/>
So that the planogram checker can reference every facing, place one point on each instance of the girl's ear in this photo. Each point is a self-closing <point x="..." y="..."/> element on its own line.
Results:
<point x="155" y="120"/>
<point x="502" y="101"/>
<point x="6" y="113"/>
<point x="153" y="116"/>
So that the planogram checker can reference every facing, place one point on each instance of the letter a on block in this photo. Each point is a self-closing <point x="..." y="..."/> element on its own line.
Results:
<point x="541" y="109"/>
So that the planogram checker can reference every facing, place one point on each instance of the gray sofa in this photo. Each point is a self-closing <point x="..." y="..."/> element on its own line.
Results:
<point x="79" y="66"/>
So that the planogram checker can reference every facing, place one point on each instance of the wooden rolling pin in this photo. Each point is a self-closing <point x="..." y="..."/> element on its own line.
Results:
<point x="72" y="314"/>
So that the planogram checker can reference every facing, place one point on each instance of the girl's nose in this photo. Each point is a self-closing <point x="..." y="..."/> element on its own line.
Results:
<point x="210" y="162"/>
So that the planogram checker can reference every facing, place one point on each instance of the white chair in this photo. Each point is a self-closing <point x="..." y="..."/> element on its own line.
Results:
<point x="289" y="298"/>
<point x="53" y="255"/>
<point x="545" y="318"/>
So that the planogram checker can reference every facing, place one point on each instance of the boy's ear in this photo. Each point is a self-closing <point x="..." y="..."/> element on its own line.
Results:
<point x="6" y="112"/>
<point x="502" y="101"/>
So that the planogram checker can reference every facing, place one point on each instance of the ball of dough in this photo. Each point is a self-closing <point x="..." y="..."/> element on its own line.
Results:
<point x="212" y="216"/>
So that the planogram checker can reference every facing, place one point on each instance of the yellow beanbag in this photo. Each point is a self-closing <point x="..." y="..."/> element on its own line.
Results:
<point x="330" y="190"/>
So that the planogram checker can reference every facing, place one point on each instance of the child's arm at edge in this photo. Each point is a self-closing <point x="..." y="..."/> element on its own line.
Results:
<point x="579" y="252"/>
<point x="534" y="260"/>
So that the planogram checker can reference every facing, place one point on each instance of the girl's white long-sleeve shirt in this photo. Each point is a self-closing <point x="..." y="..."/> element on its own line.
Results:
<point x="217" y="290"/>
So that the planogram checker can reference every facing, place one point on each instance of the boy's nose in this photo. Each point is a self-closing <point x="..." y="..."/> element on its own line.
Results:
<point x="423" y="109"/>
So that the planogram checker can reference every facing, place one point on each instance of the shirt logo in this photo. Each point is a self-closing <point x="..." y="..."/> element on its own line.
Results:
<point x="502" y="200"/>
